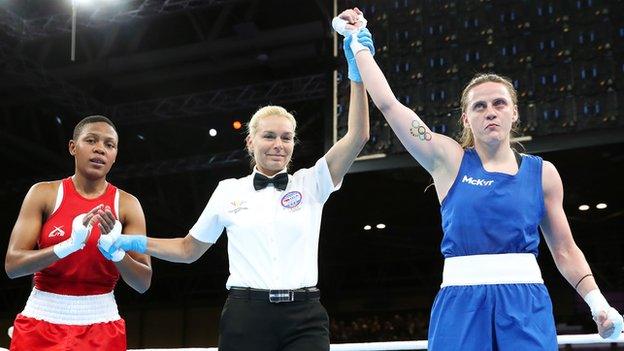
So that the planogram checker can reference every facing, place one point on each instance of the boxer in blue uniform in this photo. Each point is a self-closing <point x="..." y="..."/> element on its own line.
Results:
<point x="492" y="202"/>
<point x="493" y="217"/>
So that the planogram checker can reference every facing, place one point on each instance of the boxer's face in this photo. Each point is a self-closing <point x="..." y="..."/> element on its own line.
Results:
<point x="490" y="112"/>
<point x="95" y="149"/>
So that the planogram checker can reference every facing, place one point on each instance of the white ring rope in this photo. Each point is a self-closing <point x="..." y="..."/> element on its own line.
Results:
<point x="574" y="339"/>
<point x="571" y="339"/>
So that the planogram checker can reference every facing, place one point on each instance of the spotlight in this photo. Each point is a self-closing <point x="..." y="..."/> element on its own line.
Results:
<point x="367" y="227"/>
<point x="237" y="125"/>
<point x="212" y="132"/>
<point x="584" y="207"/>
<point x="82" y="2"/>
<point x="380" y="226"/>
<point x="601" y="206"/>
<point x="93" y="2"/>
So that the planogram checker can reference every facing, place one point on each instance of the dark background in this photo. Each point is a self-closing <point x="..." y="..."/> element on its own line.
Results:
<point x="166" y="72"/>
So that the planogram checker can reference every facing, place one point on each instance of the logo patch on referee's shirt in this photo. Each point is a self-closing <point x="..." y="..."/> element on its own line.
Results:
<point x="292" y="199"/>
<point x="237" y="206"/>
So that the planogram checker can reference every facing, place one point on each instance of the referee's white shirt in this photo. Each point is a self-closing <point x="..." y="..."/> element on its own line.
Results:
<point x="273" y="235"/>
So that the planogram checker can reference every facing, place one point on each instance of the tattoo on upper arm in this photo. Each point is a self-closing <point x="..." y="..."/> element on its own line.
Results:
<point x="418" y="130"/>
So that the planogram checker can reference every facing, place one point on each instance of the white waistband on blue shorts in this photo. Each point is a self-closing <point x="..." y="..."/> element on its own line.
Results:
<point x="513" y="268"/>
<point x="71" y="310"/>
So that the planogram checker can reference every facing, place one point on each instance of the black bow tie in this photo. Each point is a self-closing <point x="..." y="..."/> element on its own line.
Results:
<point x="280" y="181"/>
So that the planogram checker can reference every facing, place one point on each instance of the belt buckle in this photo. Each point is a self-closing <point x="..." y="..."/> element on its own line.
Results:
<point x="278" y="296"/>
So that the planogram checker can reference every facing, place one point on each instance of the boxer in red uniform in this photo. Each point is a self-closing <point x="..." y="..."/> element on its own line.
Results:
<point x="72" y="306"/>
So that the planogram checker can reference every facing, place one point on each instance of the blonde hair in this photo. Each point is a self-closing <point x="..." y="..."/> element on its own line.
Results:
<point x="270" y="110"/>
<point x="467" y="139"/>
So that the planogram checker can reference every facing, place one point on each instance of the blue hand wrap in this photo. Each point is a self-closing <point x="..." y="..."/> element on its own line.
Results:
<point x="136" y="243"/>
<point x="365" y="38"/>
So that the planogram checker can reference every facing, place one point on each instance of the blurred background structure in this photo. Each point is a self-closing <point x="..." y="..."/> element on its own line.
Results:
<point x="178" y="77"/>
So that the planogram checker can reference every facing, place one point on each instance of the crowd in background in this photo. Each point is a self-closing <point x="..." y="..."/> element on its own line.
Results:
<point x="379" y="327"/>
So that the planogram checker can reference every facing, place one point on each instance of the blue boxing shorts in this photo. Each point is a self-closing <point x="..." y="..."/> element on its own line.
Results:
<point x="495" y="317"/>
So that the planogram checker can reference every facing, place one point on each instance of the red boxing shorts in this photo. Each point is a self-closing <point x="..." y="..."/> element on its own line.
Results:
<point x="54" y="322"/>
<point x="32" y="334"/>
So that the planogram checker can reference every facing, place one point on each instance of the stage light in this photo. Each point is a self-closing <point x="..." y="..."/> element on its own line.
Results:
<point x="212" y="132"/>
<point x="92" y="2"/>
<point x="367" y="227"/>
<point x="380" y="226"/>
<point x="82" y="3"/>
<point x="237" y="125"/>
<point x="601" y="206"/>
<point x="584" y="207"/>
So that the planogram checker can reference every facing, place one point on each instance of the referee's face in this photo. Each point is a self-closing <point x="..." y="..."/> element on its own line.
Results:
<point x="272" y="145"/>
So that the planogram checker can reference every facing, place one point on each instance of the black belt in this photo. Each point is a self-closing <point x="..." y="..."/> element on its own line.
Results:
<point x="276" y="296"/>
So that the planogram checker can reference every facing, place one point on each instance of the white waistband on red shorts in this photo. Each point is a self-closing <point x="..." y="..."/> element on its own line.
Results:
<point x="71" y="310"/>
<point x="513" y="268"/>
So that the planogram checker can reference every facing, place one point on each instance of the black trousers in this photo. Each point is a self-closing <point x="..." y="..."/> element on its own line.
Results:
<point x="259" y="325"/>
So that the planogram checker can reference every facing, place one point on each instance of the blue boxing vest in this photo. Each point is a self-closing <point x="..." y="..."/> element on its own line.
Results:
<point x="490" y="212"/>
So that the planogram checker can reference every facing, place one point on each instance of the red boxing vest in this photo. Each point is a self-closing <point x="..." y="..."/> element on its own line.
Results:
<point x="86" y="271"/>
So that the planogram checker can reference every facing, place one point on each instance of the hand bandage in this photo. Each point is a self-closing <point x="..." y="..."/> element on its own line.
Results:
<point x="105" y="244"/>
<point x="362" y="40"/>
<point x="597" y="303"/>
<point x="340" y="26"/>
<point x="618" y="323"/>
<point x="356" y="39"/>
<point x="77" y="239"/>
<point x="124" y="242"/>
<point x="136" y="243"/>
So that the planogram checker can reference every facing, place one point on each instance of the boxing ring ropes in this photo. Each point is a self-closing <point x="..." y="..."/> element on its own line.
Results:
<point x="563" y="340"/>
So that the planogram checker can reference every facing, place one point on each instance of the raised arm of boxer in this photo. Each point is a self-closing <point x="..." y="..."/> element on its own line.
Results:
<point x="437" y="153"/>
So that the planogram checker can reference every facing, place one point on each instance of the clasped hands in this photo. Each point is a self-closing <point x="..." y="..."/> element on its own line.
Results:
<point x="112" y="243"/>
<point x="351" y="24"/>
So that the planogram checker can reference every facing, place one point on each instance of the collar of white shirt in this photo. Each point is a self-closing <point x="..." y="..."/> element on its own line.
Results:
<point x="256" y="170"/>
